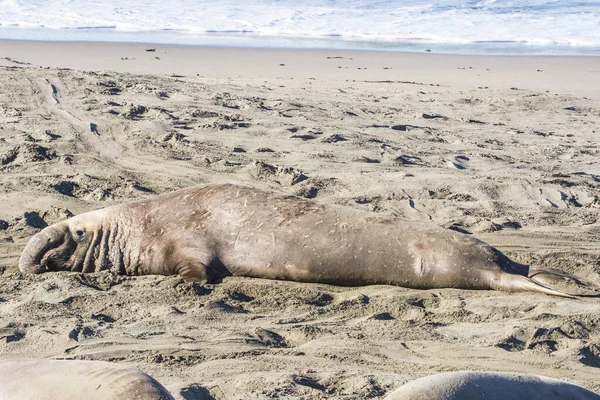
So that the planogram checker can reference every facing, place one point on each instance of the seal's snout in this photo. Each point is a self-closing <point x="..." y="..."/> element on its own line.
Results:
<point x="37" y="247"/>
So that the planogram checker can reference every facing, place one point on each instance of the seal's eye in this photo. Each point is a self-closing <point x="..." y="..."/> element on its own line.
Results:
<point x="79" y="233"/>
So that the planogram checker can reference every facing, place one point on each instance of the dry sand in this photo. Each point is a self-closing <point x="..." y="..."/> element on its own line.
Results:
<point x="505" y="148"/>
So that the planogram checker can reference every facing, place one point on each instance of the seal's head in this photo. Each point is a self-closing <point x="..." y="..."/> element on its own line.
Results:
<point x="67" y="245"/>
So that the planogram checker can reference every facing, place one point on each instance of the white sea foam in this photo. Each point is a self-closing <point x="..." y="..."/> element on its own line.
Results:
<point x="528" y="25"/>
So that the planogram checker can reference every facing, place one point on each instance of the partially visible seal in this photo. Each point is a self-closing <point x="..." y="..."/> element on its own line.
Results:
<point x="475" y="385"/>
<point x="206" y="233"/>
<point x="33" y="379"/>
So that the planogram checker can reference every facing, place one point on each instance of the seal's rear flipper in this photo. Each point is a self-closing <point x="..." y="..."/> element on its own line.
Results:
<point x="552" y="277"/>
<point x="520" y="283"/>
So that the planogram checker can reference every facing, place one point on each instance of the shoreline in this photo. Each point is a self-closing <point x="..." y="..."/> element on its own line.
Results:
<point x="236" y="35"/>
<point x="575" y="75"/>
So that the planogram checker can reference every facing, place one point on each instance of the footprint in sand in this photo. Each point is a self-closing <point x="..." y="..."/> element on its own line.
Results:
<point x="457" y="162"/>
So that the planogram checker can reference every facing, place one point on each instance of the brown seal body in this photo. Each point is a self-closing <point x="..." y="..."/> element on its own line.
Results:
<point x="206" y="233"/>
<point x="33" y="379"/>
<point x="476" y="385"/>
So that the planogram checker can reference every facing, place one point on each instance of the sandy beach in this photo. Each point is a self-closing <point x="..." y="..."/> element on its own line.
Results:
<point x="503" y="148"/>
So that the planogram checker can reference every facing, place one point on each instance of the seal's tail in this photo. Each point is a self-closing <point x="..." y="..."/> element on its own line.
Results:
<point x="520" y="283"/>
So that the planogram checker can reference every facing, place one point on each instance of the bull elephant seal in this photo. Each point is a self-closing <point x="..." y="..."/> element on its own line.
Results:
<point x="30" y="379"/>
<point x="206" y="233"/>
<point x="475" y="385"/>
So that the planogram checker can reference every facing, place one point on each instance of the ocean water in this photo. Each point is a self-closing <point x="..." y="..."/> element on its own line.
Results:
<point x="445" y="26"/>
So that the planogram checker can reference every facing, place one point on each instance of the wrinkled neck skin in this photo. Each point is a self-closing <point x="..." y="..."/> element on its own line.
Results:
<point x="115" y="244"/>
<point x="110" y="241"/>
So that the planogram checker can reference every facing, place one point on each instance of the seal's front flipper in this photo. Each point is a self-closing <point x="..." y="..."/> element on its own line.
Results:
<point x="193" y="271"/>
<point x="199" y="272"/>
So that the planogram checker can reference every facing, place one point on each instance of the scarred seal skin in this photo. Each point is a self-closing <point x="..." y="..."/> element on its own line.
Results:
<point x="33" y="379"/>
<point x="207" y="233"/>
<point x="477" y="385"/>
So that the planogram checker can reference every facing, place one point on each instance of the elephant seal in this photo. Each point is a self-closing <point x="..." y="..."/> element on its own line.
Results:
<point x="32" y="379"/>
<point x="475" y="385"/>
<point x="206" y="233"/>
